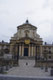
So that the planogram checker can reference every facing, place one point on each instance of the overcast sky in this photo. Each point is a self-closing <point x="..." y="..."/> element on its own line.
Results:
<point x="15" y="12"/>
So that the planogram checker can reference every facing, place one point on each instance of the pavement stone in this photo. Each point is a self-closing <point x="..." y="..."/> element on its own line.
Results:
<point x="28" y="70"/>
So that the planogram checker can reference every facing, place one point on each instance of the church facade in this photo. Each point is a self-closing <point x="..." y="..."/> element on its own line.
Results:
<point x="26" y="42"/>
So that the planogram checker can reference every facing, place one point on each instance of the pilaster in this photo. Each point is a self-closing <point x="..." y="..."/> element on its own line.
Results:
<point x="29" y="50"/>
<point x="22" y="49"/>
<point x="32" y="49"/>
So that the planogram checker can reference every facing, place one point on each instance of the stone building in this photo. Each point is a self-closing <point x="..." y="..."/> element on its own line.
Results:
<point x="26" y="42"/>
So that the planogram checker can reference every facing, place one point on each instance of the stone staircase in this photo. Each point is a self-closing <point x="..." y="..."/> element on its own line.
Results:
<point x="24" y="78"/>
<point x="27" y="57"/>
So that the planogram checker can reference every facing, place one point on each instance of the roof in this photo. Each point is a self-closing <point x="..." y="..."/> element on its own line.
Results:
<point x="48" y="45"/>
<point x="4" y="42"/>
<point x="27" y="23"/>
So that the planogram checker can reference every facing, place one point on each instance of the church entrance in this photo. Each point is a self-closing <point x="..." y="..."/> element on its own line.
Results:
<point x="25" y="51"/>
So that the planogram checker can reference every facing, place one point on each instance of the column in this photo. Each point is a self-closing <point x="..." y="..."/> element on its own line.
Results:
<point x="32" y="49"/>
<point x="35" y="50"/>
<point x="22" y="49"/>
<point x="16" y="49"/>
<point x="41" y="50"/>
<point x="29" y="50"/>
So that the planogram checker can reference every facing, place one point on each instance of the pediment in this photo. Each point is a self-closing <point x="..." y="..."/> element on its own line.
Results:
<point x="26" y="26"/>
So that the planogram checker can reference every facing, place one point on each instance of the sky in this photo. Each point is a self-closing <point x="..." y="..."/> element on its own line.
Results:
<point x="15" y="12"/>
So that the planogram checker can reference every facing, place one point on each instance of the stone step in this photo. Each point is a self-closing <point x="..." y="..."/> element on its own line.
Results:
<point x="24" y="78"/>
<point x="27" y="58"/>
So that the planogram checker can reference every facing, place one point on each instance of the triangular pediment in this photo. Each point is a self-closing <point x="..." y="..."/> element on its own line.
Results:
<point x="27" y="24"/>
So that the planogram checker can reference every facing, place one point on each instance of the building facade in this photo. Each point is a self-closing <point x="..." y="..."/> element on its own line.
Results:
<point x="26" y="42"/>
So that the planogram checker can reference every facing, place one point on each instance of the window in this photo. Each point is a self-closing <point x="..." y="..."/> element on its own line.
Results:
<point x="49" y="57"/>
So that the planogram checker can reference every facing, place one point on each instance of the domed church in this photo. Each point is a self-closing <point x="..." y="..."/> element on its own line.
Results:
<point x="26" y="44"/>
<point x="26" y="41"/>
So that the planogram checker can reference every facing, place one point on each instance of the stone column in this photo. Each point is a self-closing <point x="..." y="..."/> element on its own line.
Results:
<point x="35" y="50"/>
<point x="32" y="49"/>
<point x="16" y="49"/>
<point x="29" y="50"/>
<point x="41" y="50"/>
<point x="22" y="49"/>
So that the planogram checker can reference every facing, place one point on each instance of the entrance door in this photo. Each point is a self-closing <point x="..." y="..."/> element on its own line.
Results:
<point x="25" y="51"/>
